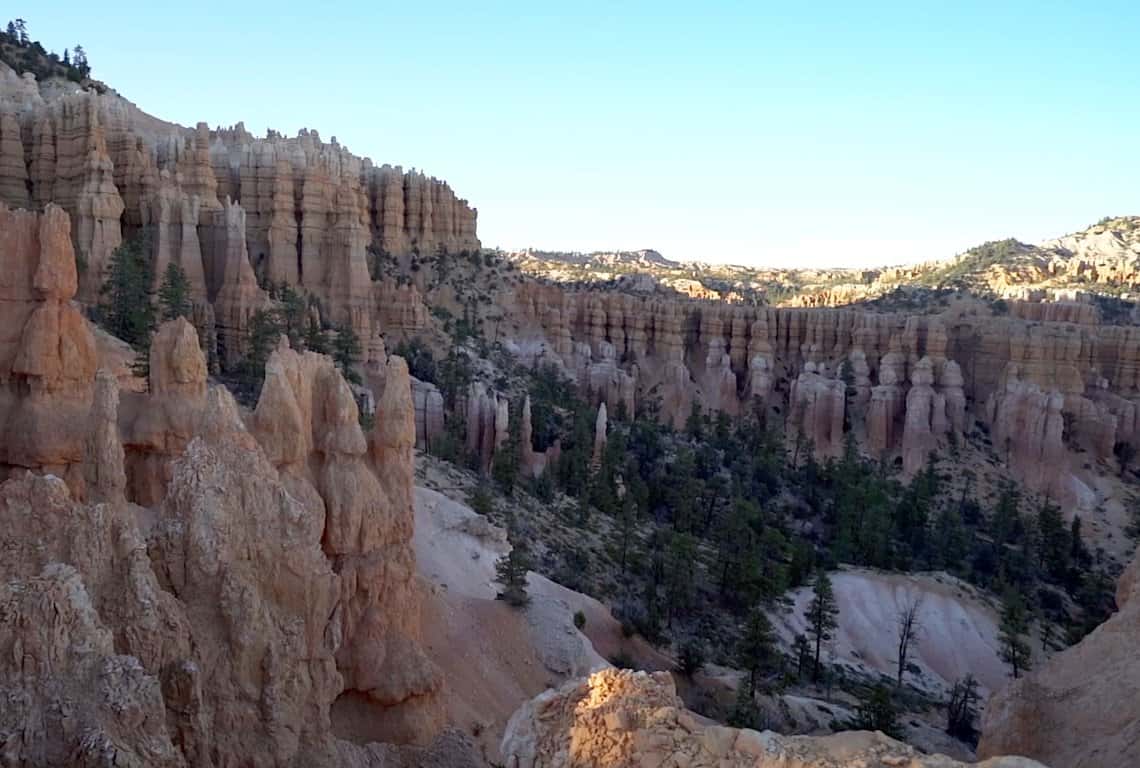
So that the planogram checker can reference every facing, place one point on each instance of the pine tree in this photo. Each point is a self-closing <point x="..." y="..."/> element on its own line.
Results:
<point x="756" y="647"/>
<point x="125" y="307"/>
<point x="745" y="713"/>
<point x="292" y="315"/>
<point x="12" y="32"/>
<point x="802" y="650"/>
<point x="505" y="464"/>
<point x="315" y="339"/>
<point x="262" y="335"/>
<point x="510" y="572"/>
<point x="822" y="617"/>
<point x="877" y="712"/>
<point x="79" y="61"/>
<point x="346" y="352"/>
<point x="1014" y="625"/>
<point x="174" y="293"/>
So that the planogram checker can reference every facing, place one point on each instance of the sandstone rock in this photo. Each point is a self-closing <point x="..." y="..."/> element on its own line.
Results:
<point x="1028" y="430"/>
<point x="816" y="410"/>
<point x="624" y="718"/>
<point x="47" y="351"/>
<point x="429" y="413"/>
<point x="925" y="417"/>
<point x="104" y="462"/>
<point x="1078" y="708"/>
<point x="600" y="424"/>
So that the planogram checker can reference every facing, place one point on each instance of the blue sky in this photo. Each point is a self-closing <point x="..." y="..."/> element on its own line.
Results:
<point x="809" y="134"/>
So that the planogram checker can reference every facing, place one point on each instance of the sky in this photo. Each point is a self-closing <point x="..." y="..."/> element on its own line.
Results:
<point x="776" y="134"/>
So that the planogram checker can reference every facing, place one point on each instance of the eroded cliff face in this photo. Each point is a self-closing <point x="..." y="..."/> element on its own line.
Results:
<point x="902" y="385"/>
<point x="180" y="589"/>
<point x="1081" y="707"/>
<point x="619" y="718"/>
<point x="232" y="210"/>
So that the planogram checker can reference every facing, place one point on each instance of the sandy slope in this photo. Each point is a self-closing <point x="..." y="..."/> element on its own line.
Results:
<point x="959" y="633"/>
<point x="494" y="657"/>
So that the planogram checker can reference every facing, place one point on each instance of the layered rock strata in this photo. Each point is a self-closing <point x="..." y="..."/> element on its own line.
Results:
<point x="299" y="211"/>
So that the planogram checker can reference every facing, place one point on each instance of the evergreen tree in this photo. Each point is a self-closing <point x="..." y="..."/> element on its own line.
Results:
<point x="292" y="315"/>
<point x="745" y="713"/>
<point x="877" y="712"/>
<point x="822" y="617"/>
<point x="510" y="572"/>
<point x="691" y="657"/>
<point x="79" y="61"/>
<point x="756" y="647"/>
<point x="315" y="339"/>
<point x="346" y="352"/>
<point x="802" y="650"/>
<point x="262" y="335"/>
<point x="125" y="307"/>
<point x="695" y="424"/>
<point x="12" y="32"/>
<point x="1014" y="626"/>
<point x="174" y="293"/>
<point x="505" y="464"/>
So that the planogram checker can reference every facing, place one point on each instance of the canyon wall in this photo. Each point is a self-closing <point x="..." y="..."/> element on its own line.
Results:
<point x="234" y="211"/>
<point x="904" y="385"/>
<point x="181" y="588"/>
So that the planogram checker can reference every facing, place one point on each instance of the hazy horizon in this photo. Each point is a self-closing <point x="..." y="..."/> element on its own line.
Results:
<point x="821" y="136"/>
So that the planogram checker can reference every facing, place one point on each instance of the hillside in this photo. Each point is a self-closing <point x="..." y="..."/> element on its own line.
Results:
<point x="1102" y="259"/>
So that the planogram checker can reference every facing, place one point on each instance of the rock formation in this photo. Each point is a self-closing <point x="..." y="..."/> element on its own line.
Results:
<point x="534" y="463"/>
<point x="229" y="208"/>
<point x="816" y="410"/>
<point x="623" y="718"/>
<point x="1080" y="707"/>
<point x="47" y="351"/>
<point x="261" y="609"/>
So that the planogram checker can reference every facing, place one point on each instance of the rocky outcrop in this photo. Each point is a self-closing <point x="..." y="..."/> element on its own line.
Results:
<point x="157" y="425"/>
<point x="1028" y="431"/>
<point x="47" y="351"/>
<point x="601" y="422"/>
<point x="307" y="419"/>
<point x="1079" y="708"/>
<point x="429" y="413"/>
<point x="533" y="462"/>
<point x="816" y="410"/>
<point x="623" y="718"/>
<point x="488" y="423"/>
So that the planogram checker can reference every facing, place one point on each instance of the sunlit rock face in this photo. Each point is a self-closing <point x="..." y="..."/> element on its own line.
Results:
<point x="624" y="718"/>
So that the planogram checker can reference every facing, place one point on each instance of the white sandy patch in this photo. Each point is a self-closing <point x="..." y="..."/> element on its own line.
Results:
<point x="959" y="628"/>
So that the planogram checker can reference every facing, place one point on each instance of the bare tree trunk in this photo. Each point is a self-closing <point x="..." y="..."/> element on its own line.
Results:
<point x="909" y="629"/>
